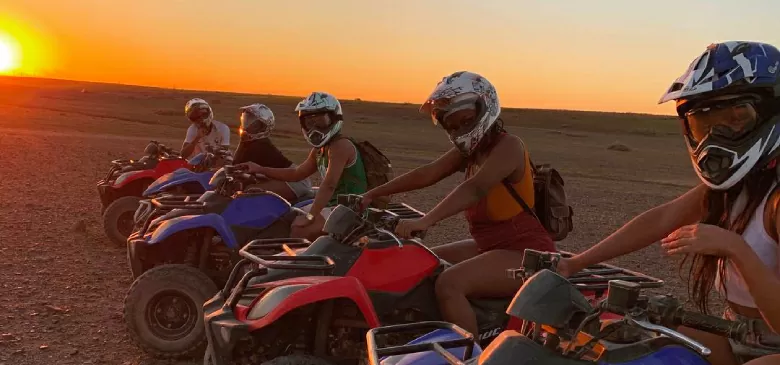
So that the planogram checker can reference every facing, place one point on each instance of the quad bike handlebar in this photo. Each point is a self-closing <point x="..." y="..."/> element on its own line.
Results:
<point x="596" y="277"/>
<point x="380" y="220"/>
<point x="662" y="313"/>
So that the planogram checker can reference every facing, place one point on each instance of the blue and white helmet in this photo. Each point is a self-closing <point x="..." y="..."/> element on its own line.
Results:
<point x="319" y="102"/>
<point x="743" y="72"/>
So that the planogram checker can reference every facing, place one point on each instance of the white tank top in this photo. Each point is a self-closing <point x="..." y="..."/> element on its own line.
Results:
<point x="761" y="242"/>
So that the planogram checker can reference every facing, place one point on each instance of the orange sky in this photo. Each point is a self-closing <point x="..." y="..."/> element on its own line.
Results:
<point x="610" y="55"/>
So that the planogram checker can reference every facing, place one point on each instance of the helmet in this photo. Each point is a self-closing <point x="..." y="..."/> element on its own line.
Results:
<point x="729" y="79"/>
<point x="257" y="121"/>
<point x="320" y="103"/>
<point x="199" y="111"/>
<point x="464" y="90"/>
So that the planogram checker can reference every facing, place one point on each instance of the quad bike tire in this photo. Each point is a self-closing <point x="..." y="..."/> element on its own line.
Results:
<point x="297" y="360"/>
<point x="149" y="307"/>
<point x="118" y="213"/>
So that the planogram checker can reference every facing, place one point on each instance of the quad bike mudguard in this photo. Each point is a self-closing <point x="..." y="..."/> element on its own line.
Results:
<point x="183" y="223"/>
<point x="179" y="177"/>
<point x="228" y="321"/>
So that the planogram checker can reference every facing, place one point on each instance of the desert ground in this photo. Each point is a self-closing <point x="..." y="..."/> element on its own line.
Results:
<point x="63" y="283"/>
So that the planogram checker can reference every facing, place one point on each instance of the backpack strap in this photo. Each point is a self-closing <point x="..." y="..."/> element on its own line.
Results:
<point x="518" y="198"/>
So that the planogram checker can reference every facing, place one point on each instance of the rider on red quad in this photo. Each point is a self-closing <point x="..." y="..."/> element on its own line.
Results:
<point x="335" y="157"/>
<point x="728" y="101"/>
<point x="204" y="130"/>
<point x="257" y="123"/>
<point x="466" y="106"/>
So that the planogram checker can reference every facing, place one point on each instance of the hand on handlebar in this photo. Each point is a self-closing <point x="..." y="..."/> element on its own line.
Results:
<point x="250" y="167"/>
<point x="407" y="227"/>
<point x="365" y="202"/>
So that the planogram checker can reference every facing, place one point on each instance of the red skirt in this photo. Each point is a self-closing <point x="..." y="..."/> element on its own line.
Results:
<point x="517" y="233"/>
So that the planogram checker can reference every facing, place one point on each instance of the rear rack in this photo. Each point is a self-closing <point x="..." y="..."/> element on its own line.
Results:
<point x="375" y="352"/>
<point x="594" y="277"/>
<point x="264" y="262"/>
<point x="325" y="265"/>
<point x="163" y="204"/>
<point x="404" y="211"/>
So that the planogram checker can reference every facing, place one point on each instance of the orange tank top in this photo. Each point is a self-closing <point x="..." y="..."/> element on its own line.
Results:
<point x="498" y="204"/>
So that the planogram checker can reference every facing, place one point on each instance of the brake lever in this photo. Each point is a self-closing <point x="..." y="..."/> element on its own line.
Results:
<point x="400" y="244"/>
<point x="685" y="340"/>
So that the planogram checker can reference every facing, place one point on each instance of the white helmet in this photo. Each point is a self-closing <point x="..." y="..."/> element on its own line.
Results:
<point x="199" y="111"/>
<point x="257" y="121"/>
<point x="459" y="91"/>
<point x="319" y="103"/>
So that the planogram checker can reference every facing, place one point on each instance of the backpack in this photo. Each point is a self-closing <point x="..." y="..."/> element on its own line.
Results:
<point x="551" y="208"/>
<point x="377" y="167"/>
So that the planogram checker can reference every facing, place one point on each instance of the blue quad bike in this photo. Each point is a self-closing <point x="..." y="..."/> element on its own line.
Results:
<point x="186" y="248"/>
<point x="561" y="327"/>
<point x="119" y="220"/>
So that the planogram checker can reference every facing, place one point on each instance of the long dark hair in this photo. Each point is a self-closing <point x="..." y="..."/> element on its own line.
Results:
<point x="488" y="141"/>
<point x="719" y="206"/>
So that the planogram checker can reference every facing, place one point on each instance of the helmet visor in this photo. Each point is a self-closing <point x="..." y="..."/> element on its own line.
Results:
<point x="198" y="114"/>
<point x="731" y="119"/>
<point x="252" y="126"/>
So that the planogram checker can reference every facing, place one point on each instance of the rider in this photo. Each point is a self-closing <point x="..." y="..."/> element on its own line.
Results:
<point x="728" y="103"/>
<point x="335" y="157"/>
<point x="466" y="106"/>
<point x="257" y="123"/>
<point x="204" y="130"/>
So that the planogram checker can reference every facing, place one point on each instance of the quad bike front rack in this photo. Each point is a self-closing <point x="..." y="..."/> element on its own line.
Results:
<point x="375" y="353"/>
<point x="159" y="206"/>
<point x="261" y="262"/>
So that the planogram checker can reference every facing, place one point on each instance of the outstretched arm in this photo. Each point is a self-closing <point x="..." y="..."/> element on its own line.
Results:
<point x="421" y="177"/>
<point x="642" y="231"/>
<point x="298" y="173"/>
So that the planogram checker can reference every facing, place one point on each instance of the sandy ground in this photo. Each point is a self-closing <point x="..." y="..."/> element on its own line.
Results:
<point x="63" y="283"/>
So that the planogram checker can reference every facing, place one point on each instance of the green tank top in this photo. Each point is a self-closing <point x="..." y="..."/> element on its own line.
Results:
<point x="353" y="178"/>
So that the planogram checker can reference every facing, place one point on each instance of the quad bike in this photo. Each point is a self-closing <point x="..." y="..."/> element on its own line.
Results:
<point x="359" y="275"/>
<point x="183" y="181"/>
<point x="187" y="247"/>
<point x="125" y="183"/>
<point x="592" y="283"/>
<point x="626" y="328"/>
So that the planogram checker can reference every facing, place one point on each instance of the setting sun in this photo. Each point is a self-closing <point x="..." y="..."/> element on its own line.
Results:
<point x="7" y="57"/>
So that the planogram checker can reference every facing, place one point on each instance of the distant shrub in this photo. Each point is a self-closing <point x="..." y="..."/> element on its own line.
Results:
<point x="168" y="113"/>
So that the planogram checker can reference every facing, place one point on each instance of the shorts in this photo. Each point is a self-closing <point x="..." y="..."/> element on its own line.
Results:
<point x="301" y="189"/>
<point x="325" y="212"/>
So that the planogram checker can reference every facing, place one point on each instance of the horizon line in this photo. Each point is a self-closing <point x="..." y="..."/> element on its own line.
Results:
<point x="21" y="76"/>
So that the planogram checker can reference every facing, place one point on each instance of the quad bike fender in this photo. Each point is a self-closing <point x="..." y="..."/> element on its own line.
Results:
<point x="130" y="177"/>
<point x="283" y="296"/>
<point x="186" y="222"/>
<point x="179" y="177"/>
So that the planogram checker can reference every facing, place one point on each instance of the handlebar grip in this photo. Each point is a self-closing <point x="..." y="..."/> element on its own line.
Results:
<point x="711" y="324"/>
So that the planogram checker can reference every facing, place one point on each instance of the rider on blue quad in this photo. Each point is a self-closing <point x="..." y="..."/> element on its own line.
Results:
<point x="257" y="123"/>
<point x="335" y="157"/>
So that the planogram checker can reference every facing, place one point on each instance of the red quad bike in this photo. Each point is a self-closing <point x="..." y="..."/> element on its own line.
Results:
<point x="122" y="188"/>
<point x="448" y="344"/>
<point x="316" y="305"/>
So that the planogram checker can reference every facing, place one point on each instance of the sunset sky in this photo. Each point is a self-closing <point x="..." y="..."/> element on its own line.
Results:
<point x="605" y="55"/>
